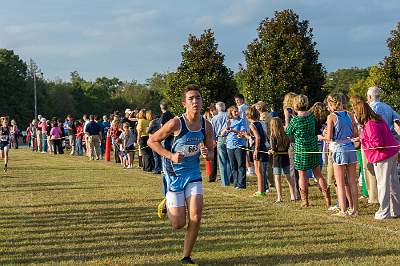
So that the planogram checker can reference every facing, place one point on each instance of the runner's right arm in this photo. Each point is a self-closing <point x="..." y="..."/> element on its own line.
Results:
<point x="155" y="140"/>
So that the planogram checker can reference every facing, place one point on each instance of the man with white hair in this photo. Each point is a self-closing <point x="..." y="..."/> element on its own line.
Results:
<point x="381" y="108"/>
<point x="389" y="115"/>
<point x="219" y="123"/>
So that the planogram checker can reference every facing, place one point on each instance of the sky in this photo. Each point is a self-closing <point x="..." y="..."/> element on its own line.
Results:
<point x="131" y="39"/>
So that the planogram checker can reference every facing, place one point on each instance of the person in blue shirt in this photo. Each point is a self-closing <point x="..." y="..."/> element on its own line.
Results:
<point x="235" y="142"/>
<point x="381" y="108"/>
<point x="219" y="124"/>
<point x="192" y="139"/>
<point x="105" y="126"/>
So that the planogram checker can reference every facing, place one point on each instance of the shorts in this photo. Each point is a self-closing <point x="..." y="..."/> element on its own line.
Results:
<point x="130" y="148"/>
<point x="4" y="145"/>
<point x="281" y="170"/>
<point x="178" y="199"/>
<point x="343" y="154"/>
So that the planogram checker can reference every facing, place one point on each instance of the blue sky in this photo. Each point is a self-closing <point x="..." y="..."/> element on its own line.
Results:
<point x="133" y="39"/>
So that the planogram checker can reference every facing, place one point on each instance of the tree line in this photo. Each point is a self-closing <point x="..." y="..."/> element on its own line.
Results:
<point x="282" y="58"/>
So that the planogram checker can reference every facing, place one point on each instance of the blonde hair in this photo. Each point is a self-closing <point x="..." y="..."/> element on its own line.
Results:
<point x="278" y="132"/>
<point x="261" y="106"/>
<point x="141" y="114"/>
<point x="126" y="125"/>
<point x="288" y="99"/>
<point x="300" y="103"/>
<point x="252" y="113"/>
<point x="319" y="111"/>
<point x="229" y="112"/>
<point x="336" y="101"/>
<point x="149" y="115"/>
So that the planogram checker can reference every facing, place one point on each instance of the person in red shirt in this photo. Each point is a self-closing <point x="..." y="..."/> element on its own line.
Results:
<point x="79" y="137"/>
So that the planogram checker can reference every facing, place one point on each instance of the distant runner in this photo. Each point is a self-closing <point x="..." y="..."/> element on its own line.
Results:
<point x="4" y="141"/>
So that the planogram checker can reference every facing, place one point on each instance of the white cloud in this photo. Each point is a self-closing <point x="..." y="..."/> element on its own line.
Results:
<point x="64" y="50"/>
<point x="241" y="12"/>
<point x="137" y="17"/>
<point x="37" y="27"/>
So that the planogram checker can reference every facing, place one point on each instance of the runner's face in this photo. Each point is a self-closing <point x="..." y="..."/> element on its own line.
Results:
<point x="193" y="101"/>
<point x="4" y="123"/>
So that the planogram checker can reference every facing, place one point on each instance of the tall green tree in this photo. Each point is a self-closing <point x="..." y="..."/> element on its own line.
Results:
<point x="283" y="58"/>
<point x="202" y="64"/>
<point x="14" y="100"/>
<point x="390" y="78"/>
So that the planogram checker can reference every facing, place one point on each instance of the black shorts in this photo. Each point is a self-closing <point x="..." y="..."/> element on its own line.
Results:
<point x="130" y="148"/>
<point x="262" y="156"/>
<point x="3" y="144"/>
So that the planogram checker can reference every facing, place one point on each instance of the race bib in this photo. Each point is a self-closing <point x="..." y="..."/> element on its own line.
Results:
<point x="191" y="150"/>
<point x="3" y="137"/>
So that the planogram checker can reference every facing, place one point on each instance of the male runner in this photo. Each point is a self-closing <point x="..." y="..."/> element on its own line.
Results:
<point x="4" y="141"/>
<point x="192" y="138"/>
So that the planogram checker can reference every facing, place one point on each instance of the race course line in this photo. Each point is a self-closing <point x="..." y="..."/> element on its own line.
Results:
<point x="349" y="220"/>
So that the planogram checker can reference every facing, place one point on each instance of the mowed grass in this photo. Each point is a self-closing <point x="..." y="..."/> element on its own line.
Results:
<point x="71" y="211"/>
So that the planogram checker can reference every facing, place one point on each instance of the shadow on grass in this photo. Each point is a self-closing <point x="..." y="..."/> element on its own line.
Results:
<point x="352" y="254"/>
<point x="72" y="203"/>
<point x="34" y="185"/>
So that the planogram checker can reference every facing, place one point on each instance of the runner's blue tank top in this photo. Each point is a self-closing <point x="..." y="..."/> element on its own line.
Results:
<point x="178" y="175"/>
<point x="4" y="135"/>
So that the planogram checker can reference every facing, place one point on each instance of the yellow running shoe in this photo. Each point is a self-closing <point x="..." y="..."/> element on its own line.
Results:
<point x="162" y="209"/>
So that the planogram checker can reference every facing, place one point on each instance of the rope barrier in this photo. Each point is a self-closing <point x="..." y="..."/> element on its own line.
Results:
<point x="320" y="152"/>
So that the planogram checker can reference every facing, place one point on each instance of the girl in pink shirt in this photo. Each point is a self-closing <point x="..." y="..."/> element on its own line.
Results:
<point x="381" y="149"/>
<point x="55" y="136"/>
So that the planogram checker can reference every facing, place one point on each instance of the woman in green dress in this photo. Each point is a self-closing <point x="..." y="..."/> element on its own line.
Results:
<point x="302" y="128"/>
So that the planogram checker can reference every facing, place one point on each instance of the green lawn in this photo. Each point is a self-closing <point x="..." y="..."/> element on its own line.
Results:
<point x="71" y="211"/>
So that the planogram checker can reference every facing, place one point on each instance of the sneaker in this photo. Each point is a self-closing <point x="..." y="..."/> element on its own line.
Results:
<point x="162" y="209"/>
<point x="187" y="261"/>
<point x="278" y="201"/>
<point x="259" y="194"/>
<point x="333" y="208"/>
<point x="341" y="214"/>
<point x="5" y="168"/>
<point x="352" y="213"/>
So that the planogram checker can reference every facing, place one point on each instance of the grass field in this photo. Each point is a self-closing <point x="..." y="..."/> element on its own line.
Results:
<point x="71" y="211"/>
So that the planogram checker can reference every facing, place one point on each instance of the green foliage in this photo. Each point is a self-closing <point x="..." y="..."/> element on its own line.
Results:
<point x="202" y="64"/>
<point x="361" y="85"/>
<point x="282" y="59"/>
<point x="341" y="79"/>
<point x="136" y="95"/>
<point x="390" y="78"/>
<point x="13" y="101"/>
